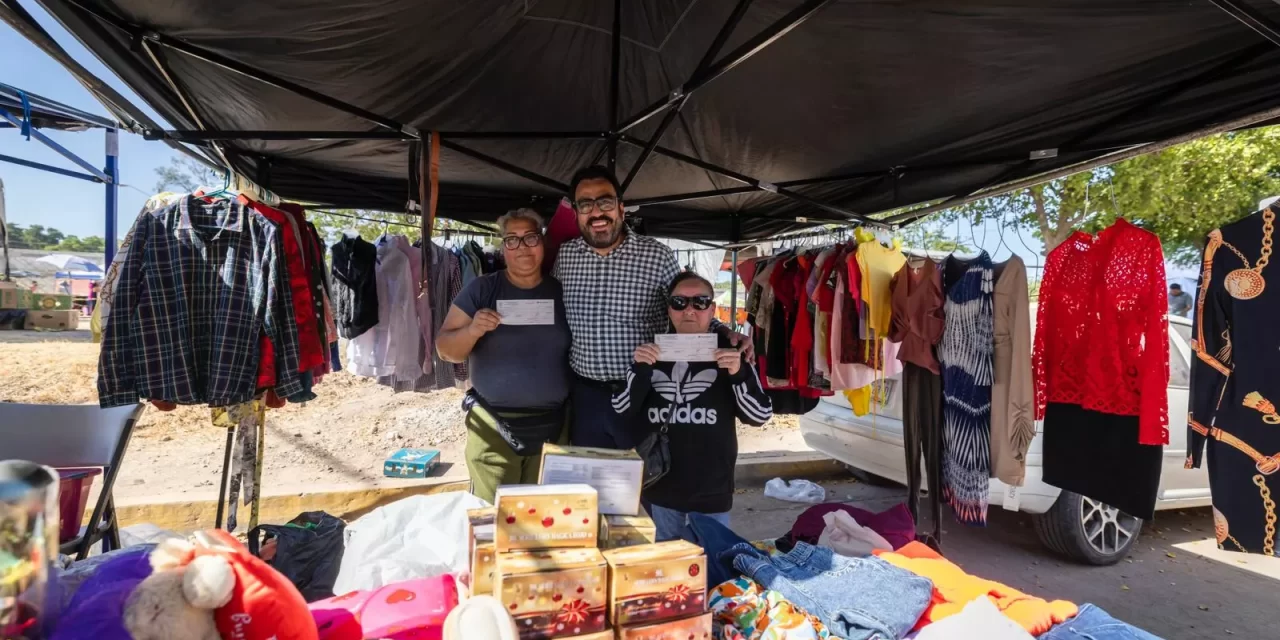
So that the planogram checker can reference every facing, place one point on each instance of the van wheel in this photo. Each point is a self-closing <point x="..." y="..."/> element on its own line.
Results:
<point x="868" y="478"/>
<point x="1086" y="530"/>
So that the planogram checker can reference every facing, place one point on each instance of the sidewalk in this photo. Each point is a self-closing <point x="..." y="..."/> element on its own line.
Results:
<point x="179" y="512"/>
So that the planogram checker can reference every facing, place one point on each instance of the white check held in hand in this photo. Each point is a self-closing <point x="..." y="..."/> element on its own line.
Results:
<point x="526" y="312"/>
<point x="686" y="347"/>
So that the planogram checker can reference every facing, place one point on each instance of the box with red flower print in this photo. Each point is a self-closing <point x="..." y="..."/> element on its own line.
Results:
<point x="546" y="517"/>
<point x="653" y="582"/>
<point x="695" y="628"/>
<point x="554" y="593"/>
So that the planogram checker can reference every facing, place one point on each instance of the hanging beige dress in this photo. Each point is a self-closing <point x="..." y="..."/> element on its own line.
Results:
<point x="1012" y="395"/>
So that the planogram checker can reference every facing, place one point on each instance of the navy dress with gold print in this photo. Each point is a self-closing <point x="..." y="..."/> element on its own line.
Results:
<point x="1235" y="381"/>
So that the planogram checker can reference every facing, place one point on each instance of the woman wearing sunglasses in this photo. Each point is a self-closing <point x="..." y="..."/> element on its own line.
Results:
<point x="697" y="403"/>
<point x="519" y="364"/>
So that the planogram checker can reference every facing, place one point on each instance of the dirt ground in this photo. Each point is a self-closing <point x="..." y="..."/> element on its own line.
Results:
<point x="339" y="439"/>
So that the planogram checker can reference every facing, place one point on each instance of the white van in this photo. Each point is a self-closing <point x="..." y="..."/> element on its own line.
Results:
<point x="1075" y="526"/>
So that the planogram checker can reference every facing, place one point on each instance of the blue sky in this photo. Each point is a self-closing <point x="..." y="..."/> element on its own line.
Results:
<point x="71" y="205"/>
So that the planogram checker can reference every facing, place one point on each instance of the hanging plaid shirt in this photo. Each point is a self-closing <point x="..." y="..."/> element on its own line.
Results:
<point x="615" y="302"/>
<point x="201" y="282"/>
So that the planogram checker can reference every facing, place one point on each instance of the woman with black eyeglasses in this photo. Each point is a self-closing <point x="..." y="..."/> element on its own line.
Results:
<point x="519" y="363"/>
<point x="697" y="403"/>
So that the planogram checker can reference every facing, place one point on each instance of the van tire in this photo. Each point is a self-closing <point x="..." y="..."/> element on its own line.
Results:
<point x="1066" y="527"/>
<point x="868" y="478"/>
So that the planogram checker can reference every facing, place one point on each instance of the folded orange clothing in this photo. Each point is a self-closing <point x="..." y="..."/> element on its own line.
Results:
<point x="953" y="589"/>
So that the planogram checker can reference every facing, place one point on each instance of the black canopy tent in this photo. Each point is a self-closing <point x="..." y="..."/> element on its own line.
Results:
<point x="728" y="119"/>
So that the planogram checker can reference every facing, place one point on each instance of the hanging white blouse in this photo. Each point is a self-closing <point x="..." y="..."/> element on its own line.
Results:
<point x="391" y="347"/>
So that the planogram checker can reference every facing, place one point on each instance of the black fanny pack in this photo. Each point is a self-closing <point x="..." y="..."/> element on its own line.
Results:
<point x="524" y="431"/>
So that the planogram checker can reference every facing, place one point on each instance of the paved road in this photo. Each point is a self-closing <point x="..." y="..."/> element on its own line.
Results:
<point x="1175" y="584"/>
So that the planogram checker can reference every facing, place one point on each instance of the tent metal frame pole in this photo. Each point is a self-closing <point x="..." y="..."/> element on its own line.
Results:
<point x="49" y="168"/>
<point x="714" y="50"/>
<point x="249" y="71"/>
<point x="615" y="80"/>
<point x="1106" y="125"/>
<point x="504" y="165"/>
<point x="755" y="45"/>
<point x="910" y="217"/>
<point x="59" y="149"/>
<point x="200" y="135"/>
<point x="1250" y="17"/>
<point x="112" y="203"/>
<point x="843" y="215"/>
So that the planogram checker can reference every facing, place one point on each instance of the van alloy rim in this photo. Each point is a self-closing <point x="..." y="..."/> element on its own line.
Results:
<point x="1107" y="529"/>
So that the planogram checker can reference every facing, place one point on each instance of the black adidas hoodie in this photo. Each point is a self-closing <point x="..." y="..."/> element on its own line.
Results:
<point x="703" y="433"/>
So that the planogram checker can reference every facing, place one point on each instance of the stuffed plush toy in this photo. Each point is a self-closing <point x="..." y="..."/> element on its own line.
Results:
<point x="177" y="601"/>
<point x="209" y="588"/>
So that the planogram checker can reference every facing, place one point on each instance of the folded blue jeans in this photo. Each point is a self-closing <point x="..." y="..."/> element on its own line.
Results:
<point x="719" y="542"/>
<point x="856" y="598"/>
<point x="1092" y="623"/>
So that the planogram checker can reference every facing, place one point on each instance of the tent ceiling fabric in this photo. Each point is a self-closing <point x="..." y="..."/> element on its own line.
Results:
<point x="954" y="95"/>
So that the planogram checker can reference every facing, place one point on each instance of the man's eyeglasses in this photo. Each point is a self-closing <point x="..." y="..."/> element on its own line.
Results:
<point x="680" y="303"/>
<point x="513" y="242"/>
<point x="603" y="203"/>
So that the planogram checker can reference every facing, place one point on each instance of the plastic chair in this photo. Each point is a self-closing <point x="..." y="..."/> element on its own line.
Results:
<point x="74" y="435"/>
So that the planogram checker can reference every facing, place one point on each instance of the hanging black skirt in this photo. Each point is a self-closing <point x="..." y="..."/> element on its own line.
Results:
<point x="1097" y="455"/>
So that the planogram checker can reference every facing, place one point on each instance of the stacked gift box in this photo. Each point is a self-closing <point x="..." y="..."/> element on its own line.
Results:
<point x="538" y="551"/>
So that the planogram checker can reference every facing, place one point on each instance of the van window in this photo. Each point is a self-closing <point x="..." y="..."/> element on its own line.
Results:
<point x="1179" y="369"/>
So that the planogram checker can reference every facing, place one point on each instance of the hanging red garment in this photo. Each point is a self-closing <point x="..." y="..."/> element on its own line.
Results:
<point x="562" y="228"/>
<point x="310" y="352"/>
<point x="747" y="271"/>
<point x="1102" y="330"/>
<point x="802" y="336"/>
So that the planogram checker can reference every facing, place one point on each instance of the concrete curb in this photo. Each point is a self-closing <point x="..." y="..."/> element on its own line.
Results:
<point x="349" y="503"/>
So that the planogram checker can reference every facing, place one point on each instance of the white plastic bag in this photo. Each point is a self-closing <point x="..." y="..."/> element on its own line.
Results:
<point x="795" y="491"/>
<point x="418" y="537"/>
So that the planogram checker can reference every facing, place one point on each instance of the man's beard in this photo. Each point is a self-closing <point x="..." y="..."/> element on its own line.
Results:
<point x="607" y="238"/>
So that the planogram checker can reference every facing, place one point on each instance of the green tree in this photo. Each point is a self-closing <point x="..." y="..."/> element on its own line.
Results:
<point x="1180" y="194"/>
<point x="186" y="174"/>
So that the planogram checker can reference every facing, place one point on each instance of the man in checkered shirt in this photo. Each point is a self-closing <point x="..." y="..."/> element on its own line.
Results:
<point x="615" y="284"/>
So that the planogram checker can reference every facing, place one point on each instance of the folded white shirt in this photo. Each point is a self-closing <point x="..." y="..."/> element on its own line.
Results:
<point x="846" y="537"/>
<point x="978" y="619"/>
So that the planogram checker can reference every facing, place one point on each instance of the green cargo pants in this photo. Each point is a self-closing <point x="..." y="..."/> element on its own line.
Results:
<point x="490" y="460"/>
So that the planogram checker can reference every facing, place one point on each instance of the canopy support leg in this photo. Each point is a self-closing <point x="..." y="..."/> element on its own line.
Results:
<point x="112" y="170"/>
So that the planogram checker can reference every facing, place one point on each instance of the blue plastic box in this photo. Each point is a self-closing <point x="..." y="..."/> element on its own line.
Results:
<point x="411" y="463"/>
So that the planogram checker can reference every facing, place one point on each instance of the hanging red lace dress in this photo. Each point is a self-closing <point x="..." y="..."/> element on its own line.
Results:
<point x="1101" y="366"/>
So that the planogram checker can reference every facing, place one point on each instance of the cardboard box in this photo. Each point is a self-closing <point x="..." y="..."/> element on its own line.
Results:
<point x="411" y="463"/>
<point x="14" y="297"/>
<point x="655" y="582"/>
<point x="481" y="550"/>
<point x="52" y="320"/>
<point x="555" y="593"/>
<point x="697" y="628"/>
<point x="607" y="634"/>
<point x="546" y="517"/>
<point x="617" y="532"/>
<point x="50" y="302"/>
<point x="616" y="474"/>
